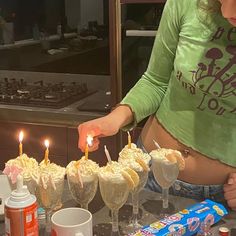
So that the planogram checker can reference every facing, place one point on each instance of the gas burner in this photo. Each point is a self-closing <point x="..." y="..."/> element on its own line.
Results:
<point x="40" y="94"/>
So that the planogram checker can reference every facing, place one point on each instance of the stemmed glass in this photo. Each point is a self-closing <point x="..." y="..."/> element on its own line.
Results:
<point x="114" y="192"/>
<point x="134" y="158"/>
<point x="83" y="191"/>
<point x="143" y="175"/>
<point x="165" y="173"/>
<point x="49" y="195"/>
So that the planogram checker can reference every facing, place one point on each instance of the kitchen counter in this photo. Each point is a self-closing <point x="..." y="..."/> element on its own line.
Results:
<point x="68" y="116"/>
<point x="150" y="207"/>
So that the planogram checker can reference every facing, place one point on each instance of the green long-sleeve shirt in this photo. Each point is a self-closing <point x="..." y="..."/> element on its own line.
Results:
<point x="190" y="83"/>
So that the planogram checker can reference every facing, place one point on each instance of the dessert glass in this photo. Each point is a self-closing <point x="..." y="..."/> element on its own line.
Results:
<point x="114" y="190"/>
<point x="137" y="160"/>
<point x="50" y="188"/>
<point x="29" y="169"/>
<point x="165" y="172"/>
<point x="82" y="180"/>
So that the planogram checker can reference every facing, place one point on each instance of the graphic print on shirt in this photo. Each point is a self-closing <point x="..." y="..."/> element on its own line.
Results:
<point x="214" y="80"/>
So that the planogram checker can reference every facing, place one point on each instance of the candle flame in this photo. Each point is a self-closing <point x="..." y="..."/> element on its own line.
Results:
<point x="21" y="136"/>
<point x="46" y="142"/>
<point x="89" y="140"/>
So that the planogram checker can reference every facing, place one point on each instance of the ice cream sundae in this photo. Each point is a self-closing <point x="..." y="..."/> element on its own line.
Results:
<point x="51" y="184"/>
<point x="28" y="167"/>
<point x="116" y="181"/>
<point x="83" y="180"/>
<point x="166" y="164"/>
<point x="137" y="160"/>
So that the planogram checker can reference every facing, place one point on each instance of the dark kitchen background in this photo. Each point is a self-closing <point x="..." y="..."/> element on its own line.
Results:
<point x="58" y="68"/>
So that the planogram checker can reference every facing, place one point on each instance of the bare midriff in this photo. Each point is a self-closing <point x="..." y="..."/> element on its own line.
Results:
<point x="199" y="168"/>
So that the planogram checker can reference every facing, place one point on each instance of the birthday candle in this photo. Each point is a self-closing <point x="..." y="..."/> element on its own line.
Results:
<point x="107" y="154"/>
<point x="21" y="136"/>
<point x="129" y="140"/>
<point x="46" y="154"/>
<point x="89" y="143"/>
<point x="86" y="152"/>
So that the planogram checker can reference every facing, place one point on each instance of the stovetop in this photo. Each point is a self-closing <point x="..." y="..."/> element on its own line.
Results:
<point x="40" y="94"/>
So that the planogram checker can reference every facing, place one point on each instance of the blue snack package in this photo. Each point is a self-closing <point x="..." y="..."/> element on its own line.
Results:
<point x="186" y="222"/>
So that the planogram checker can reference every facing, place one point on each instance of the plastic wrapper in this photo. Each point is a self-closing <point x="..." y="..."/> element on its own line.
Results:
<point x="187" y="222"/>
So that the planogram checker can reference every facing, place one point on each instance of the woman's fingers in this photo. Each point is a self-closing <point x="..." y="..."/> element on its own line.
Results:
<point x="232" y="178"/>
<point x="95" y="145"/>
<point x="85" y="130"/>
<point x="230" y="191"/>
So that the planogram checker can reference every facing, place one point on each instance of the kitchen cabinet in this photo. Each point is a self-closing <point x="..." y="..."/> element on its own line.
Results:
<point x="133" y="25"/>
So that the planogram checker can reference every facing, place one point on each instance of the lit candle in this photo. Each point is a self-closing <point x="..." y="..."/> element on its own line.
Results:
<point x="46" y="160"/>
<point x="107" y="154"/>
<point x="89" y="143"/>
<point x="21" y="136"/>
<point x="129" y="140"/>
<point x="86" y="152"/>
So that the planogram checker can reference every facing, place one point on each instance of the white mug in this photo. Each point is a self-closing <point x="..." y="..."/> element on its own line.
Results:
<point x="72" y="222"/>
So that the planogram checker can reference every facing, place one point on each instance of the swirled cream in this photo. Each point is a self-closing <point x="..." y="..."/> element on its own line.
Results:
<point x="83" y="180"/>
<point x="50" y="174"/>
<point x="114" y="184"/>
<point x="28" y="165"/>
<point x="173" y="156"/>
<point x="82" y="170"/>
<point x="166" y="164"/>
<point x="51" y="184"/>
<point x="112" y="170"/>
<point x="135" y="158"/>
<point x="163" y="152"/>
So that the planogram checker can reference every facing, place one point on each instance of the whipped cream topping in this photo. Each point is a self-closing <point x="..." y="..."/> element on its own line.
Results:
<point x="161" y="153"/>
<point x="86" y="167"/>
<point x="112" y="171"/>
<point x="128" y="157"/>
<point x="28" y="165"/>
<point x="50" y="174"/>
<point x="83" y="170"/>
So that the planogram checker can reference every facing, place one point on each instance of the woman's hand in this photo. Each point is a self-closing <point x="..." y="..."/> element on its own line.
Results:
<point x="230" y="191"/>
<point x="105" y="126"/>
<point x="96" y="128"/>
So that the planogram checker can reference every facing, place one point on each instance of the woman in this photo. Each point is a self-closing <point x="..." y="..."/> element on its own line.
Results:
<point x="188" y="91"/>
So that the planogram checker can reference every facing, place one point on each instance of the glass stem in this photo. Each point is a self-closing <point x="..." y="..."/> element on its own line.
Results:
<point x="165" y="197"/>
<point x="84" y="206"/>
<point x="135" y="202"/>
<point x="48" y="220"/>
<point x="114" y="215"/>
